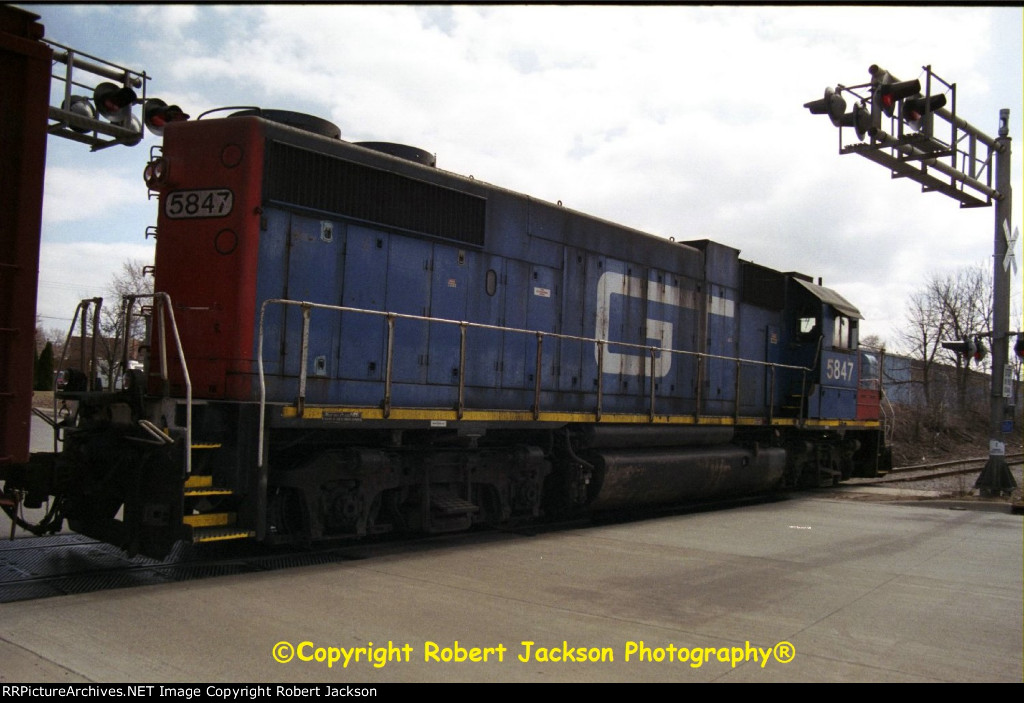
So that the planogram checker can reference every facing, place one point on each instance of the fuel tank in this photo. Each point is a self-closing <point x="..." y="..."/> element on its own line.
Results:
<point x="632" y="477"/>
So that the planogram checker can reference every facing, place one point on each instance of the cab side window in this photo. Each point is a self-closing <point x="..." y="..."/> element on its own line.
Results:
<point x="808" y="328"/>
<point x="844" y="333"/>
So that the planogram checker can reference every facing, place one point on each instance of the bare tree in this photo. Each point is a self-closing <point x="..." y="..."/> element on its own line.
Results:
<point x="131" y="280"/>
<point x="921" y="338"/>
<point x="966" y="299"/>
<point x="872" y="341"/>
<point x="949" y="307"/>
<point x="56" y="337"/>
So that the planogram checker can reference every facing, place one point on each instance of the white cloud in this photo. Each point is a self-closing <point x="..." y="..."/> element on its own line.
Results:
<point x="171" y="18"/>
<point x="79" y="194"/>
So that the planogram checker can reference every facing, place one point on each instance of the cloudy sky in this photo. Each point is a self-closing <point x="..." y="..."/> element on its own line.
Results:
<point x="686" y="122"/>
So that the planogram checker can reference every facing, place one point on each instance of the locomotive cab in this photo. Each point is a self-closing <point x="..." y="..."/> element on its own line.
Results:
<point x="839" y="393"/>
<point x="824" y="338"/>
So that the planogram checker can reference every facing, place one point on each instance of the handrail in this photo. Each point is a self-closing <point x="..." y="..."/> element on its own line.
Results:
<point x="391" y="317"/>
<point x="889" y="412"/>
<point x="462" y="377"/>
<point x="83" y="308"/>
<point x="153" y="430"/>
<point x="166" y="300"/>
<point x="805" y="406"/>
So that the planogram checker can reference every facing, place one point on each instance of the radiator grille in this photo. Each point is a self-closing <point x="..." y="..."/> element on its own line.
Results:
<point x="322" y="182"/>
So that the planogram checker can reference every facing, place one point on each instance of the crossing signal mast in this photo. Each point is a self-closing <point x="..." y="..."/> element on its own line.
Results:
<point x="894" y="123"/>
<point x="907" y="127"/>
<point x="107" y="116"/>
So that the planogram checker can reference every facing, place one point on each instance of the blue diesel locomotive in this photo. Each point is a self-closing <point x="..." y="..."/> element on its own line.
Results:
<point x="346" y="340"/>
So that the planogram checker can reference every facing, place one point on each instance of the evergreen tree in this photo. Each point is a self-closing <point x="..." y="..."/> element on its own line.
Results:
<point x="44" y="370"/>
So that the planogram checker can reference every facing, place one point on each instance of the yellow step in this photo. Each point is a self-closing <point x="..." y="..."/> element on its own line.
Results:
<point x="197" y="486"/>
<point x="219" y="534"/>
<point x="195" y="481"/>
<point x="200" y="492"/>
<point x="210" y="519"/>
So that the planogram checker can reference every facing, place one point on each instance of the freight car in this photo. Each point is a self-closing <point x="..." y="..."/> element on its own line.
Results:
<point x="346" y="340"/>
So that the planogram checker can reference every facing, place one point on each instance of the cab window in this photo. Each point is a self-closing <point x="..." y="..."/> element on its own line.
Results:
<point x="844" y="333"/>
<point x="808" y="329"/>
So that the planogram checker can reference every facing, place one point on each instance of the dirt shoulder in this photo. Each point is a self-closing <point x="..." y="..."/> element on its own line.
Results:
<point x="921" y="438"/>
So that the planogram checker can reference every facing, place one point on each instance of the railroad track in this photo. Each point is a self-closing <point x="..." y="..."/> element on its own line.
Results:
<point x="941" y="469"/>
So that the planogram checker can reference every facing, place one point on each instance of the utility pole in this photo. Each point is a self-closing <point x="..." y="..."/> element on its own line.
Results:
<point x="899" y="120"/>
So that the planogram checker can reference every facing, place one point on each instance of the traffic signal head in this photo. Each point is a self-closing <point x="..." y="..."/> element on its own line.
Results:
<point x="859" y="118"/>
<point x="112" y="100"/>
<point x="157" y="114"/>
<point x="915" y="108"/>
<point x="832" y="105"/>
<point x="79" y="105"/>
<point x="972" y="348"/>
<point x="978" y="350"/>
<point x="889" y="91"/>
<point x="1018" y="346"/>
<point x="132" y="122"/>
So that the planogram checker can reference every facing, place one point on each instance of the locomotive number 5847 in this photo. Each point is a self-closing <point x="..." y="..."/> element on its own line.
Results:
<point x="198" y="203"/>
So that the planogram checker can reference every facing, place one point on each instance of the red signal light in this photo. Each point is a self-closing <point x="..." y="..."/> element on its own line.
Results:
<point x="972" y="348"/>
<point x="914" y="108"/>
<point x="157" y="114"/>
<point x="892" y="93"/>
<point x="979" y="350"/>
<point x="888" y="90"/>
<point x="111" y="100"/>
